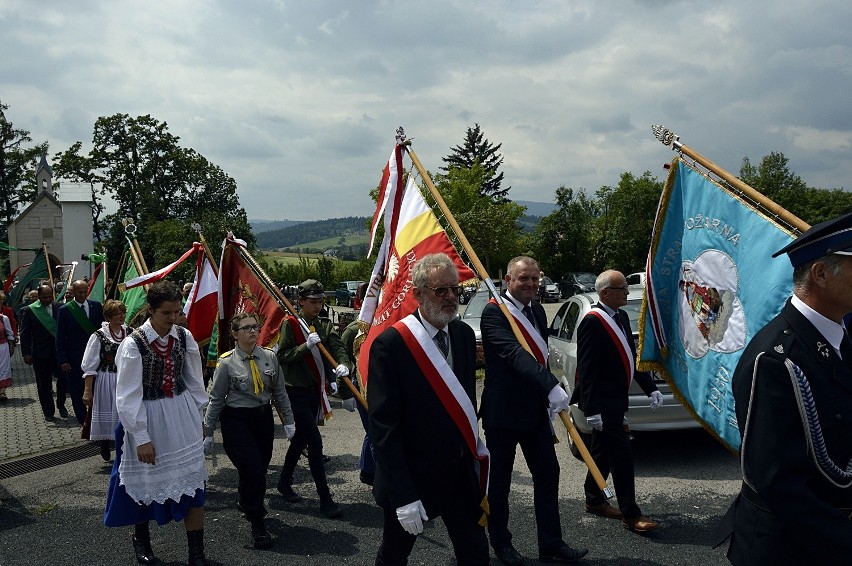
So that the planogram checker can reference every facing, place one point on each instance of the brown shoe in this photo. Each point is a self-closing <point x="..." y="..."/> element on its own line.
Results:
<point x="640" y="524"/>
<point x="604" y="510"/>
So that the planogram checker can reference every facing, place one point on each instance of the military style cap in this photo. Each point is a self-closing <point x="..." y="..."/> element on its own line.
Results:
<point x="311" y="289"/>
<point x="830" y="237"/>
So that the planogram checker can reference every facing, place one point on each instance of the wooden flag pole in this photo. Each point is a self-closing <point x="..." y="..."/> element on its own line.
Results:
<point x="49" y="271"/>
<point x="672" y="140"/>
<point x="483" y="274"/>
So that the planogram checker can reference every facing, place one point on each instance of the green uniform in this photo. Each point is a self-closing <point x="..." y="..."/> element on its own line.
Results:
<point x="293" y="356"/>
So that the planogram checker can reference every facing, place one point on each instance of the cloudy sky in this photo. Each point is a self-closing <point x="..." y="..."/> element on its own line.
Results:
<point x="299" y="101"/>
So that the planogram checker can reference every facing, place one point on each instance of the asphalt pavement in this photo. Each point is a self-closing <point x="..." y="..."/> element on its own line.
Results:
<point x="53" y="488"/>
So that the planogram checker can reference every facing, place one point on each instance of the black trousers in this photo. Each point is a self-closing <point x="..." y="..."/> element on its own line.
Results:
<point x="537" y="446"/>
<point x="45" y="370"/>
<point x="461" y="517"/>
<point x="75" y="390"/>
<point x="247" y="436"/>
<point x="611" y="451"/>
<point x="305" y="402"/>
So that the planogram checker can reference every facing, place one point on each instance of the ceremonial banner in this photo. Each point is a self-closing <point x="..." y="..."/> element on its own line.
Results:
<point x="203" y="302"/>
<point x="241" y="289"/>
<point x="96" y="284"/>
<point x="389" y="296"/>
<point x="390" y="190"/>
<point x="711" y="284"/>
<point x="133" y="299"/>
<point x="161" y="273"/>
<point x="30" y="280"/>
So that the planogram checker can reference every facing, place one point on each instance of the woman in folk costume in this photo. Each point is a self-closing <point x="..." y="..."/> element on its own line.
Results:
<point x="99" y="373"/>
<point x="159" y="471"/>
<point x="246" y="380"/>
<point x="7" y="348"/>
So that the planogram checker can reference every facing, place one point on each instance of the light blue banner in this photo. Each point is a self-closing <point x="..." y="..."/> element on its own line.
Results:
<point x="711" y="285"/>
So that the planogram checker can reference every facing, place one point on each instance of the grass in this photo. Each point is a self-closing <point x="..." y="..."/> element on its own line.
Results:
<point x="295" y="258"/>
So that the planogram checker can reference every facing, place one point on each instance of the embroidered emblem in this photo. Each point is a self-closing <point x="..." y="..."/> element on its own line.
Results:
<point x="822" y="348"/>
<point x="779" y="348"/>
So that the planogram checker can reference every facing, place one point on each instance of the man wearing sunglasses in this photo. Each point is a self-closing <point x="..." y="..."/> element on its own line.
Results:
<point x="520" y="397"/>
<point x="428" y="463"/>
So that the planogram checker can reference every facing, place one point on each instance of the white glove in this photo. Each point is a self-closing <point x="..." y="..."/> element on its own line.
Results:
<point x="656" y="400"/>
<point x="333" y="387"/>
<point x="313" y="339"/>
<point x="595" y="421"/>
<point x="625" y="422"/>
<point x="349" y="404"/>
<point x="559" y="400"/>
<point x="208" y="445"/>
<point x="341" y="371"/>
<point x="289" y="431"/>
<point x="411" y="517"/>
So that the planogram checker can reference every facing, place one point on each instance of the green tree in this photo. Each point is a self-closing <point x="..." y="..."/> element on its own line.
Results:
<point x="772" y="176"/>
<point x="562" y="241"/>
<point x="477" y="149"/>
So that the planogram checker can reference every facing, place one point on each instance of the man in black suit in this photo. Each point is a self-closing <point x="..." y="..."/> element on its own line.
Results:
<point x="76" y="321"/>
<point x="606" y="365"/>
<point x="425" y="466"/>
<point x="38" y="347"/>
<point x="793" y="393"/>
<point x="518" y="402"/>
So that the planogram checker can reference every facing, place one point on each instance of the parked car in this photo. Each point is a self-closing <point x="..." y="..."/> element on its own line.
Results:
<point x="472" y="315"/>
<point x="344" y="295"/>
<point x="562" y="358"/>
<point x="636" y="278"/>
<point x="466" y="294"/>
<point x="549" y="290"/>
<point x="577" y="282"/>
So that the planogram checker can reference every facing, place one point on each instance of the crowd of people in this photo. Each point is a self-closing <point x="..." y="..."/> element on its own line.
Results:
<point x="143" y="391"/>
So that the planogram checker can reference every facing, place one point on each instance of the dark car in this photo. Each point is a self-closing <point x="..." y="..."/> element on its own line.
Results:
<point x="472" y="315"/>
<point x="466" y="294"/>
<point x="344" y="295"/>
<point x="577" y="282"/>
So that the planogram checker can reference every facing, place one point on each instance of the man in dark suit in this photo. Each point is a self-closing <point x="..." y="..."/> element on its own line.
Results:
<point x="606" y="365"/>
<point x="424" y="465"/>
<point x="38" y="347"/>
<point x="518" y="401"/>
<point x="793" y="392"/>
<point x="76" y="321"/>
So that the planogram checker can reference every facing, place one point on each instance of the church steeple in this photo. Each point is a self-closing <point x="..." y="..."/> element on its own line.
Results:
<point x="44" y="176"/>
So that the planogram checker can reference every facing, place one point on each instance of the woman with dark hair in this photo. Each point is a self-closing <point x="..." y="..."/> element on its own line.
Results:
<point x="99" y="375"/>
<point x="246" y="379"/>
<point x="159" y="471"/>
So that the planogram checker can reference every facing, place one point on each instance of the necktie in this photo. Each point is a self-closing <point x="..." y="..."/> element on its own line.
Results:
<point x="443" y="344"/>
<point x="618" y="322"/>
<point x="529" y="314"/>
<point x="846" y="350"/>
<point x="255" y="375"/>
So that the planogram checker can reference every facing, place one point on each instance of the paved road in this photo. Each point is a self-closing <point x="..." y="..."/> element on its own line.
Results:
<point x="54" y="515"/>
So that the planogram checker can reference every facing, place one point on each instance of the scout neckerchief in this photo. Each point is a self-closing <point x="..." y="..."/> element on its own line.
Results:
<point x="80" y="316"/>
<point x="314" y="363"/>
<point x="255" y="372"/>
<point x="44" y="317"/>
<point x="616" y="333"/>
<point x="532" y="336"/>
<point x="450" y="392"/>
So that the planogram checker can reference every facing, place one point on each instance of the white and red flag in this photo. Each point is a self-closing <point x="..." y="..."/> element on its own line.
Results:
<point x="161" y="273"/>
<point x="202" y="305"/>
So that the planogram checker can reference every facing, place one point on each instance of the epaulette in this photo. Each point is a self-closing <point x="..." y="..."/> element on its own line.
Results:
<point x="782" y="345"/>
<point x="226" y="354"/>
<point x="265" y="348"/>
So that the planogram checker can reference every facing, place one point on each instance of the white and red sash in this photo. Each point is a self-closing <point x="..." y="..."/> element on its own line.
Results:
<point x="532" y="336"/>
<point x="617" y="335"/>
<point x="314" y="363"/>
<point x="450" y="392"/>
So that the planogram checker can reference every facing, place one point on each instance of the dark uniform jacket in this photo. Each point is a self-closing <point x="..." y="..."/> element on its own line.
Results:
<point x="516" y="385"/>
<point x="71" y="339"/>
<point x="793" y="513"/>
<point x="36" y="340"/>
<point x="418" y="447"/>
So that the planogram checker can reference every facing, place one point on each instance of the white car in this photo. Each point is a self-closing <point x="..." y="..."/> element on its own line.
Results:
<point x="562" y="357"/>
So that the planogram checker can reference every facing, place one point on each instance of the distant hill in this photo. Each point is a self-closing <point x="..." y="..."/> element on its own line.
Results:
<point x="537" y="208"/>
<point x="305" y="232"/>
<point x="258" y="226"/>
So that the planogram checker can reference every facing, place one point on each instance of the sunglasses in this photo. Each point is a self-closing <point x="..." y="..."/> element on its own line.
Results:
<point x="442" y="291"/>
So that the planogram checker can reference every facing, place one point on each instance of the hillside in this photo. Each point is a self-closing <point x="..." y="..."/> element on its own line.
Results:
<point x="258" y="226"/>
<point x="307" y="232"/>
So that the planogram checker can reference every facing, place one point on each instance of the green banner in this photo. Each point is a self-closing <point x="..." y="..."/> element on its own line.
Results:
<point x="30" y="280"/>
<point x="133" y="299"/>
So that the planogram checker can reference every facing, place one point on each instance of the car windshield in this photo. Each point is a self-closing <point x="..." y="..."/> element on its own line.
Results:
<point x="353" y="285"/>
<point x="548" y="280"/>
<point x="586" y="278"/>
<point x="632" y="309"/>
<point x="476" y="304"/>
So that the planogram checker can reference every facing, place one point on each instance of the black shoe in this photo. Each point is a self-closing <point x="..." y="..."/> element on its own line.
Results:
<point x="63" y="412"/>
<point x="144" y="553"/>
<point x="105" y="454"/>
<point x="563" y="553"/>
<point x="49" y="418"/>
<point x="260" y="536"/>
<point x="366" y="478"/>
<point x="286" y="491"/>
<point x="329" y="508"/>
<point x="326" y="459"/>
<point x="508" y="555"/>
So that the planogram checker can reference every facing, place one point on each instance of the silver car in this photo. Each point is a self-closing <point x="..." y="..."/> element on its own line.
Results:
<point x="562" y="357"/>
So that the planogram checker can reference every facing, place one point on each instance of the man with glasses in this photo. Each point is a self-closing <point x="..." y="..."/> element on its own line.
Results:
<point x="306" y="378"/>
<point x="519" y="399"/>
<point x="428" y="463"/>
<point x="606" y="365"/>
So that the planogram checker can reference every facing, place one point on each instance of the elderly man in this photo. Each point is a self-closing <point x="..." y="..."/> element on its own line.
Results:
<point x="75" y="322"/>
<point x="606" y="366"/>
<point x="793" y="392"/>
<point x="519" y="397"/>
<point x="38" y="347"/>
<point x="422" y="387"/>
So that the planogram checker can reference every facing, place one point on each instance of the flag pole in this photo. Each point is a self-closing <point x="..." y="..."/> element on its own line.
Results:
<point x="135" y="253"/>
<point x="197" y="227"/>
<point x="483" y="274"/>
<point x="288" y="306"/>
<point x="49" y="271"/>
<point x="672" y="140"/>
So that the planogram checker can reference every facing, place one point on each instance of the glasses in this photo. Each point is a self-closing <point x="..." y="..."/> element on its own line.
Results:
<point x="250" y="328"/>
<point x="442" y="291"/>
<point x="622" y="289"/>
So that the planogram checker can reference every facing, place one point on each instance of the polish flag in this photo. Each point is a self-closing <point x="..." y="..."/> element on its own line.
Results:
<point x="202" y="305"/>
<point x="161" y="273"/>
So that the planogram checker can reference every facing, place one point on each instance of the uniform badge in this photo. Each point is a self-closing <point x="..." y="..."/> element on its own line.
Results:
<point x="822" y="348"/>
<point x="779" y="348"/>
